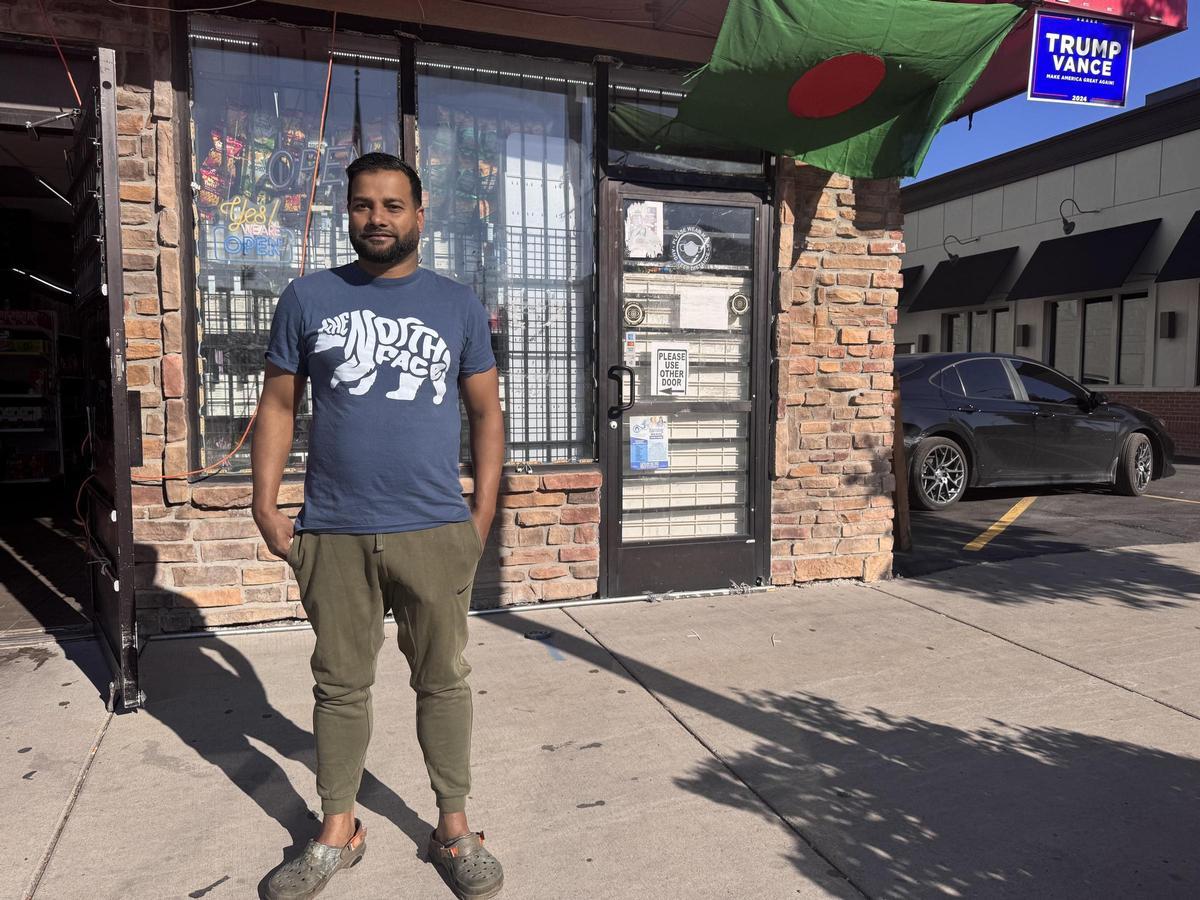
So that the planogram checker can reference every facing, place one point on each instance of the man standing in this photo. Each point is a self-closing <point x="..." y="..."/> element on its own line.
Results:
<point x="388" y="347"/>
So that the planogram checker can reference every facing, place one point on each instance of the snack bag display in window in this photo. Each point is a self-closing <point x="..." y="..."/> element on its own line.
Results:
<point x="263" y="145"/>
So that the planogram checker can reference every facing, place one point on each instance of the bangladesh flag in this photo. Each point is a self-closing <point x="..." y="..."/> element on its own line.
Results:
<point x="858" y="87"/>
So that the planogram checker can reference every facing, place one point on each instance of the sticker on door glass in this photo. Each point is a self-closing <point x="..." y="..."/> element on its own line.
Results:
<point x="649" y="446"/>
<point x="630" y="355"/>
<point x="691" y="247"/>
<point x="670" y="362"/>
<point x="644" y="230"/>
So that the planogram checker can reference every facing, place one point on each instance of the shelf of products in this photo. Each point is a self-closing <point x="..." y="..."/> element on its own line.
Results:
<point x="30" y="411"/>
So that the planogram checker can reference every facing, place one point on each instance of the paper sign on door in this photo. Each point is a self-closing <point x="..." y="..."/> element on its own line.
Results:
<point x="670" y="363"/>
<point x="649" y="445"/>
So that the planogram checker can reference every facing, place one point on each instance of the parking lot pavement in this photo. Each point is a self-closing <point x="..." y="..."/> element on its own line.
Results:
<point x="1057" y="520"/>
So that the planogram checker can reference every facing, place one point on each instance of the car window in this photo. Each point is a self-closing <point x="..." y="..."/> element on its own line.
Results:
<point x="986" y="379"/>
<point x="907" y="368"/>
<point x="1047" y="386"/>
<point x="948" y="380"/>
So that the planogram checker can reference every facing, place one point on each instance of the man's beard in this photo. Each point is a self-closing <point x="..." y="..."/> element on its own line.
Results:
<point x="400" y="247"/>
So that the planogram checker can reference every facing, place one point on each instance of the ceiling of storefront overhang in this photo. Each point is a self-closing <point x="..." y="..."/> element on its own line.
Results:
<point x="685" y="30"/>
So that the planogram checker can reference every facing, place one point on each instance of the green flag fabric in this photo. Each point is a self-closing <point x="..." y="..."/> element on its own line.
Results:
<point x="858" y="87"/>
<point x="643" y="130"/>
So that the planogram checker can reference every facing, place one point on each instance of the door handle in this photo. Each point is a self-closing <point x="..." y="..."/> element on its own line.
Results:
<point x="614" y="372"/>
<point x="968" y="408"/>
<point x="1044" y="415"/>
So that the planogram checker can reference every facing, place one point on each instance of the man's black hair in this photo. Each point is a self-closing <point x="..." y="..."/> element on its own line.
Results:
<point x="383" y="162"/>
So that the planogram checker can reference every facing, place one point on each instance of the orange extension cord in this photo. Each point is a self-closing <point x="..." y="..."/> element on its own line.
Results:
<point x="66" y="68"/>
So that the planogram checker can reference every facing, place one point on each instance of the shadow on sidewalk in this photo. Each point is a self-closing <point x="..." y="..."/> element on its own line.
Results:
<point x="207" y="692"/>
<point x="1139" y="578"/>
<point x="922" y="809"/>
<point x="918" y="809"/>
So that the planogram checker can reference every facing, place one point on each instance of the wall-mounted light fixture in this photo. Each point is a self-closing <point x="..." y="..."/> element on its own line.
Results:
<point x="1067" y="225"/>
<point x="1024" y="335"/>
<point x="953" y="257"/>
<point x="922" y="343"/>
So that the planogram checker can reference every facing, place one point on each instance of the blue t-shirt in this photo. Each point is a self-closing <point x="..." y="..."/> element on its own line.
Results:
<point x="384" y="356"/>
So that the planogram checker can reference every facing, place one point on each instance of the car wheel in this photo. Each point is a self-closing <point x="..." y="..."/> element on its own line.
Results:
<point x="939" y="473"/>
<point x="1135" y="468"/>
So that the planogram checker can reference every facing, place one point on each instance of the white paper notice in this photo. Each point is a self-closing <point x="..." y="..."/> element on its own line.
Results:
<point x="704" y="308"/>
<point x="670" y="363"/>
<point x="644" y="230"/>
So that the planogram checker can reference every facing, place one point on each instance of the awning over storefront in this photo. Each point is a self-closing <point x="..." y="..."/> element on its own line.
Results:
<point x="1184" y="261"/>
<point x="1084" y="262"/>
<point x="911" y="276"/>
<point x="966" y="281"/>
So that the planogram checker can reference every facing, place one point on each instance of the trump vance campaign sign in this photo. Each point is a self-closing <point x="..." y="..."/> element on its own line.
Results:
<point x="1080" y="60"/>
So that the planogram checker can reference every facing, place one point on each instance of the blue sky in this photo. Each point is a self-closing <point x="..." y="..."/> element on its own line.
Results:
<point x="1017" y="122"/>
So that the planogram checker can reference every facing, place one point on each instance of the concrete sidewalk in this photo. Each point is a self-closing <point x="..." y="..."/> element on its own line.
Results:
<point x="1024" y="729"/>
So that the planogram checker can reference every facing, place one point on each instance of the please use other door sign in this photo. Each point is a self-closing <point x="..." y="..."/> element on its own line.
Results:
<point x="670" y="369"/>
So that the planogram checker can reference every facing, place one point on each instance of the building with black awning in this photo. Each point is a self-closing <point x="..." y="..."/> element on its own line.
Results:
<point x="1083" y="262"/>
<point x="1184" y="262"/>
<point x="1082" y="251"/>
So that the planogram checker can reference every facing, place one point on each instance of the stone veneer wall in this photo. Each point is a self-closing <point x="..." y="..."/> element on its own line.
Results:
<point x="839" y="272"/>
<point x="203" y="563"/>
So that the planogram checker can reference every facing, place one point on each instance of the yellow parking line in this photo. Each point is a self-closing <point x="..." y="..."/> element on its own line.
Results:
<point x="1000" y="524"/>
<point x="1176" y="499"/>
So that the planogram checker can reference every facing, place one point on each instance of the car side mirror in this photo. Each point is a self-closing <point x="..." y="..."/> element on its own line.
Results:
<point x="1096" y="399"/>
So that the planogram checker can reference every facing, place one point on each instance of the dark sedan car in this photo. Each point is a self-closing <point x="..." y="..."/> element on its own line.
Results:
<point x="987" y="420"/>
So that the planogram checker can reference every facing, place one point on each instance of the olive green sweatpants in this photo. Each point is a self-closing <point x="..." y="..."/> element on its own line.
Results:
<point x="348" y="582"/>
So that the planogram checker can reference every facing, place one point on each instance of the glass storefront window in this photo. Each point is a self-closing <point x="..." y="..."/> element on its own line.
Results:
<point x="642" y="133"/>
<point x="1002" y="333"/>
<point x="505" y="155"/>
<point x="1098" y="341"/>
<point x="981" y="332"/>
<point x="955" y="328"/>
<point x="1135" y="309"/>
<point x="1064" y="331"/>
<point x="257" y="94"/>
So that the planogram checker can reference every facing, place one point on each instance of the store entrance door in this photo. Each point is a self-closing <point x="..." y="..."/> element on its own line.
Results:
<point x="107" y="492"/>
<point x="684" y="399"/>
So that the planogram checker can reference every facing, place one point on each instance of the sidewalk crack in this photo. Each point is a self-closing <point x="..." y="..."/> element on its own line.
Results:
<point x="1037" y="652"/>
<point x="69" y="808"/>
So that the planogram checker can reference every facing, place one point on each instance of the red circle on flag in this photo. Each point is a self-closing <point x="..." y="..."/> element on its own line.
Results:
<point x="831" y="87"/>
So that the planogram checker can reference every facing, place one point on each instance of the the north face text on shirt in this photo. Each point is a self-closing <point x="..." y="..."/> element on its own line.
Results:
<point x="371" y="342"/>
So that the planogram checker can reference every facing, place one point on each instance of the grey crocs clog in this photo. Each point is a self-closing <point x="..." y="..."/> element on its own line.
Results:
<point x="307" y="874"/>
<point x="471" y="871"/>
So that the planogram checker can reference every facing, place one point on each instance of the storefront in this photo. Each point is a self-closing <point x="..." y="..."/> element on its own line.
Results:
<point x="694" y="341"/>
<point x="1082" y="251"/>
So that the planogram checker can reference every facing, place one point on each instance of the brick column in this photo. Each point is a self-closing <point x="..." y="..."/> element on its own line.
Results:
<point x="840" y="246"/>
<point x="548" y="532"/>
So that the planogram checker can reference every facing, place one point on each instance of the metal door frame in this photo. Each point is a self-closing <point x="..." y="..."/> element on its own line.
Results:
<point x="693" y="555"/>
<point x="110" y="518"/>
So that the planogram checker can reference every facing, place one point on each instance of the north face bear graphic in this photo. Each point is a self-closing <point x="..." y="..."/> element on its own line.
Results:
<point x="370" y="342"/>
<point x="383" y="358"/>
